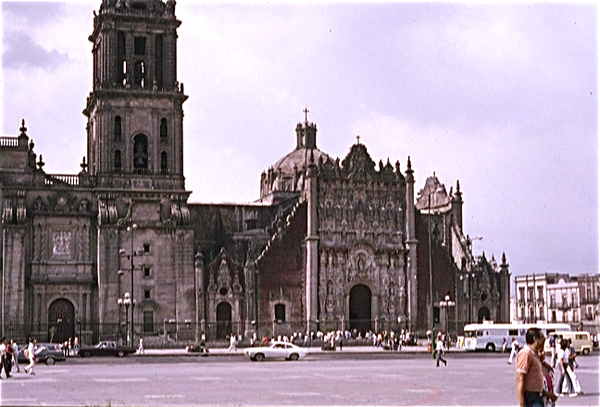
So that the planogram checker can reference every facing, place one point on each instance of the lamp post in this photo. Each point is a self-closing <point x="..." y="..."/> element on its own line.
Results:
<point x="131" y="334"/>
<point x="126" y="301"/>
<point x="447" y="304"/>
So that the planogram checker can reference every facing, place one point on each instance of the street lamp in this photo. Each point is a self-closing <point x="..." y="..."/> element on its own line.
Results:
<point x="132" y="229"/>
<point x="126" y="301"/>
<point x="447" y="304"/>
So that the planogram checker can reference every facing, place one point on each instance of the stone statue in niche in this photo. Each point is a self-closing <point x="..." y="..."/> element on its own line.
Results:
<point x="84" y="206"/>
<point x="330" y="301"/>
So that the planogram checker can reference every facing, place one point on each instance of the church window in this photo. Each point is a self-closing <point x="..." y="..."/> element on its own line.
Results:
<point x="146" y="271"/>
<point x="163" y="130"/>
<point x="139" y="45"/>
<point x="164" y="164"/>
<point x="148" y="321"/>
<point x="118" y="127"/>
<point x="121" y="55"/>
<point x="280" y="312"/>
<point x="146" y="248"/>
<point x="146" y="294"/>
<point x="139" y="76"/>
<point x="118" y="163"/>
<point x="140" y="152"/>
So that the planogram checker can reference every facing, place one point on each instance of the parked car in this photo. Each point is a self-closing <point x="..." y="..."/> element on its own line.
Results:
<point x="106" y="348"/>
<point x="274" y="350"/>
<point x="49" y="353"/>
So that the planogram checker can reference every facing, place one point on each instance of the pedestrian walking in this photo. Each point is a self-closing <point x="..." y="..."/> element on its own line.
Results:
<point x="31" y="356"/>
<point x="565" y="384"/>
<point x="439" y="348"/>
<point x="514" y="349"/>
<point x="530" y="376"/>
<point x="15" y="348"/>
<point x="552" y="346"/>
<point x="4" y="358"/>
<point x="573" y="355"/>
<point x="232" y="343"/>
<point x="141" y="350"/>
<point x="504" y="345"/>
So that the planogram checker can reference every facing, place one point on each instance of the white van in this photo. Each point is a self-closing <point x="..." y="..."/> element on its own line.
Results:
<point x="582" y="340"/>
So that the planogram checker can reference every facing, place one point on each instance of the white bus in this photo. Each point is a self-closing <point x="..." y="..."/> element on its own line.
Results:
<point x="489" y="336"/>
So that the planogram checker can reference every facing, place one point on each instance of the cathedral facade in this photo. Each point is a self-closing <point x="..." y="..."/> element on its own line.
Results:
<point x="117" y="251"/>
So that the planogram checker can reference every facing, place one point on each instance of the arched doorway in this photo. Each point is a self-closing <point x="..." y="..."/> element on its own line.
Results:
<point x="223" y="320"/>
<point x="61" y="320"/>
<point x="484" y="313"/>
<point x="360" y="308"/>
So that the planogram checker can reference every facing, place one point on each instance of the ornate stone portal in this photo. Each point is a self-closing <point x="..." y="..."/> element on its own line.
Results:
<point x="361" y="214"/>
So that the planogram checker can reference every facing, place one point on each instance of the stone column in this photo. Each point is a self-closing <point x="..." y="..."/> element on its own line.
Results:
<point x="411" y="247"/>
<point x="312" y="254"/>
<point x="199" y="290"/>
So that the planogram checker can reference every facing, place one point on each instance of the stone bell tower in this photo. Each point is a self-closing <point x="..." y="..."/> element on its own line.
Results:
<point x="135" y="155"/>
<point x="135" y="114"/>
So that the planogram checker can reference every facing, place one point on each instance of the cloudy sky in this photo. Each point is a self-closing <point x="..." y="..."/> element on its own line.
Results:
<point x="502" y="98"/>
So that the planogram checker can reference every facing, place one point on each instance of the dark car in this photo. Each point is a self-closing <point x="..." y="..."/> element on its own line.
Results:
<point x="49" y="353"/>
<point x="106" y="348"/>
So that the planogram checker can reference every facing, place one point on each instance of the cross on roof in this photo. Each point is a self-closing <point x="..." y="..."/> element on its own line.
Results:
<point x="357" y="139"/>
<point x="306" y="114"/>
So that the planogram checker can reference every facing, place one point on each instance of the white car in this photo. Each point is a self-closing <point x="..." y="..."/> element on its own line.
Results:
<point x="276" y="349"/>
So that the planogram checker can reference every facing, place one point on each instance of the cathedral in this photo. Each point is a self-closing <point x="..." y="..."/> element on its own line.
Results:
<point x="117" y="251"/>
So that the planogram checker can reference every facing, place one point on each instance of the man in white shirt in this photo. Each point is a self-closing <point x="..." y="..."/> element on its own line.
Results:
<point x="31" y="356"/>
<point x="514" y="350"/>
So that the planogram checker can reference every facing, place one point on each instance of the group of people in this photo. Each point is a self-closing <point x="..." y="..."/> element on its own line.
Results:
<point x="536" y="384"/>
<point x="9" y="357"/>
<point x="564" y="362"/>
<point x="70" y="347"/>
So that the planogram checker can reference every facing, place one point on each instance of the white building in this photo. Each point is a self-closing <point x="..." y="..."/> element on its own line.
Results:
<point x="559" y="298"/>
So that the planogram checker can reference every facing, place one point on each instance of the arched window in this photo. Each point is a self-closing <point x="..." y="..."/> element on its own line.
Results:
<point x="118" y="163"/>
<point x="140" y="152"/>
<point x="139" y="74"/>
<point x="164" y="163"/>
<point x="118" y="127"/>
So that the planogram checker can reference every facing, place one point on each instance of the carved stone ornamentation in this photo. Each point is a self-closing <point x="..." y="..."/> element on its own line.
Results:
<point x="61" y="243"/>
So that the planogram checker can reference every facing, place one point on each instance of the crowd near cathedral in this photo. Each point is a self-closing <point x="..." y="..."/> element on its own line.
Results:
<point x="330" y="243"/>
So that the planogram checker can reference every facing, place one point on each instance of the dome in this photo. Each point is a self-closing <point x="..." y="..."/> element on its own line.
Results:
<point x="297" y="159"/>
